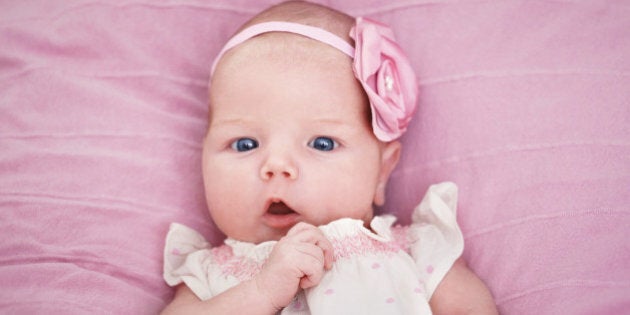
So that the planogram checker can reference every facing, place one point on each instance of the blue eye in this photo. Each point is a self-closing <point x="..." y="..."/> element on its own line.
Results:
<point x="244" y="144"/>
<point x="323" y="144"/>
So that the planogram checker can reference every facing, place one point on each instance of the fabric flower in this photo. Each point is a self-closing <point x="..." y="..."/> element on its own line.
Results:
<point x="387" y="77"/>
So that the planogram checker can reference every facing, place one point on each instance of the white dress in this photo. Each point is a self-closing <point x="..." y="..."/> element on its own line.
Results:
<point x="389" y="270"/>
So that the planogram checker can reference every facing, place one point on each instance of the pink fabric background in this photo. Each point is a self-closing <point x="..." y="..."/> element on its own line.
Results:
<point x="524" y="104"/>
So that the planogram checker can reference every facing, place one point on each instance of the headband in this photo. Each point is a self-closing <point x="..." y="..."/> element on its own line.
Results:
<point x="311" y="32"/>
<point x="378" y="63"/>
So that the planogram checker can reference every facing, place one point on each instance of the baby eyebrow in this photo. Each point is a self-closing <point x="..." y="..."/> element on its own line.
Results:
<point x="324" y="125"/>
<point x="336" y="125"/>
<point x="231" y="122"/>
<point x="329" y="120"/>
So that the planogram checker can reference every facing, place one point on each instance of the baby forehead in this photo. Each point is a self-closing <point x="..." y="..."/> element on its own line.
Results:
<point x="279" y="66"/>
<point x="284" y="49"/>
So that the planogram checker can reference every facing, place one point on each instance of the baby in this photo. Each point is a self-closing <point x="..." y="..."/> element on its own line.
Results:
<point x="306" y="104"/>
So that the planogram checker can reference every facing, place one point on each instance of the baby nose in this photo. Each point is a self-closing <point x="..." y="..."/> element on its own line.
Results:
<point x="278" y="167"/>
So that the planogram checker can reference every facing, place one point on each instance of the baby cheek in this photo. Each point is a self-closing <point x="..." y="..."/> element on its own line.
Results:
<point x="221" y="174"/>
<point x="354" y="200"/>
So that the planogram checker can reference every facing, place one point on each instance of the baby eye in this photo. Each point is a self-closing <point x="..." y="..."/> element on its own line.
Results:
<point x="323" y="144"/>
<point x="244" y="144"/>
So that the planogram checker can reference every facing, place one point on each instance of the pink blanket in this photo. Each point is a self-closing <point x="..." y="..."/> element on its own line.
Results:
<point x="524" y="104"/>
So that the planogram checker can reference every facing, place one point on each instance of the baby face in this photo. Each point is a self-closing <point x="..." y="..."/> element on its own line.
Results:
<point x="290" y="143"/>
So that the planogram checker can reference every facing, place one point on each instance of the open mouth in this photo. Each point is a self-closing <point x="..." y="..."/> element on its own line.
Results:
<point x="280" y="216"/>
<point x="279" y="208"/>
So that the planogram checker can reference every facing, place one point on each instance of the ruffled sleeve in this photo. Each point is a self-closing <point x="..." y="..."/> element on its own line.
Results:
<point x="187" y="258"/>
<point x="436" y="241"/>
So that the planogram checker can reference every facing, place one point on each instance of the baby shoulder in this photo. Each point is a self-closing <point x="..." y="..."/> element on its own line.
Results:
<point x="187" y="255"/>
<point x="435" y="239"/>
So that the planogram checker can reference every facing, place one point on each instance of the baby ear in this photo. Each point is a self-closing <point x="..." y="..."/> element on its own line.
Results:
<point x="389" y="159"/>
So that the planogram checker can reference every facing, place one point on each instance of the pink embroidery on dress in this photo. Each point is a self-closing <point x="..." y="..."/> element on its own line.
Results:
<point x="222" y="254"/>
<point x="361" y="244"/>
<point x="242" y="268"/>
<point x="390" y="300"/>
<point x="245" y="268"/>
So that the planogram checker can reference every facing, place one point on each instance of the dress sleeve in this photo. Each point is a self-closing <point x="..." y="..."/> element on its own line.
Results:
<point x="435" y="238"/>
<point x="187" y="258"/>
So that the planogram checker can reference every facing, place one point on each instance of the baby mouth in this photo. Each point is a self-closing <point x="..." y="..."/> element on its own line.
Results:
<point x="279" y="208"/>
<point x="280" y="216"/>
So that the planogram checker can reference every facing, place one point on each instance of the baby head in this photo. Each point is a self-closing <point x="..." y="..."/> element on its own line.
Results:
<point x="299" y="130"/>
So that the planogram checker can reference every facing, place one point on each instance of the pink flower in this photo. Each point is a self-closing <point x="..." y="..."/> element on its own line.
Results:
<point x="387" y="77"/>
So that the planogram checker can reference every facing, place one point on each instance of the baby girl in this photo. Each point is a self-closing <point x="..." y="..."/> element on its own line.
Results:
<point x="306" y="106"/>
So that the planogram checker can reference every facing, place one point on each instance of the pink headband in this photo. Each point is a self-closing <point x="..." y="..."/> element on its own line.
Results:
<point x="379" y="64"/>
<point x="312" y="32"/>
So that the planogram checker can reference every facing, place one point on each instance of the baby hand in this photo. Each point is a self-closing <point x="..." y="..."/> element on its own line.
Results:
<point x="298" y="260"/>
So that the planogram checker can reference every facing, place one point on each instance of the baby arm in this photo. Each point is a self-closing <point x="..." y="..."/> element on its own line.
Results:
<point x="298" y="260"/>
<point x="462" y="292"/>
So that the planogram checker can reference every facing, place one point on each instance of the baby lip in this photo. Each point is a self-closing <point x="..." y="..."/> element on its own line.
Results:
<point x="279" y="208"/>
<point x="279" y="216"/>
